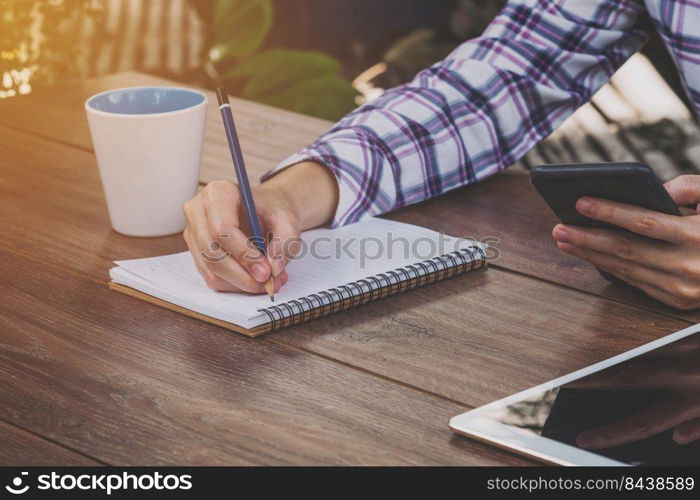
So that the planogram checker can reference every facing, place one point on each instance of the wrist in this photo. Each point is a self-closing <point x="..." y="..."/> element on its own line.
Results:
<point x="308" y="190"/>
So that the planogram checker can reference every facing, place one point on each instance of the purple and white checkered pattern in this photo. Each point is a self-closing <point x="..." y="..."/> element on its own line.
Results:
<point x="491" y="100"/>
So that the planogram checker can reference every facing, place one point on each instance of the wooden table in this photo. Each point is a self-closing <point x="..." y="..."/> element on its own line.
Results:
<point x="90" y="376"/>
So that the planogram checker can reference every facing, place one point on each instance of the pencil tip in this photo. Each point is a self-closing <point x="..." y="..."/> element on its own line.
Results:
<point x="270" y="288"/>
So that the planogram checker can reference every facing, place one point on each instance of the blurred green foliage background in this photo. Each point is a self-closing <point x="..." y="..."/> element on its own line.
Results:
<point x="300" y="55"/>
<point x="308" y="82"/>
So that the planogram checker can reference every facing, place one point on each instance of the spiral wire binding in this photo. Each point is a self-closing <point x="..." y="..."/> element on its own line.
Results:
<point x="374" y="288"/>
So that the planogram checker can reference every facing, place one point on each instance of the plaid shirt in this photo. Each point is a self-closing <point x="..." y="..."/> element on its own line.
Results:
<point x="491" y="100"/>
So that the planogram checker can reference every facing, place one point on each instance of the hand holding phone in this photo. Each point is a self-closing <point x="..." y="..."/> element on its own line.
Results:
<point x="562" y="186"/>
<point x="623" y="220"/>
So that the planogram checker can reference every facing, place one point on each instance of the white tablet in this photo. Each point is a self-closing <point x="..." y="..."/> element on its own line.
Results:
<point x="639" y="408"/>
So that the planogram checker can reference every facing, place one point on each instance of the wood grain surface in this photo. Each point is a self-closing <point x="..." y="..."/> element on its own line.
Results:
<point x="519" y="219"/>
<point x="495" y="332"/>
<point x="130" y="383"/>
<point x="90" y="374"/>
<point x="19" y="447"/>
<point x="510" y="214"/>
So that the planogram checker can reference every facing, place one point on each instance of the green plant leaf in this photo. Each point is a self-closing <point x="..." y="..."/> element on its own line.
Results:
<point x="240" y="26"/>
<point x="329" y="97"/>
<point x="277" y="70"/>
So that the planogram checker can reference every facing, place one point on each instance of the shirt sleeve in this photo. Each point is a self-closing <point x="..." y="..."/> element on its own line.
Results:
<point x="479" y="110"/>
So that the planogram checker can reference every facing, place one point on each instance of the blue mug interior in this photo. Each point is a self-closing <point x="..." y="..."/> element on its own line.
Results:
<point x="145" y="101"/>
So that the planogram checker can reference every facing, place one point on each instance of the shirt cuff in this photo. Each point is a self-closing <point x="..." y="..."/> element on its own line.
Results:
<point x="347" y="211"/>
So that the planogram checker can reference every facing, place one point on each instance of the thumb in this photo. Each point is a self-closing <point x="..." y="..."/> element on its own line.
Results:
<point x="684" y="189"/>
<point x="285" y="242"/>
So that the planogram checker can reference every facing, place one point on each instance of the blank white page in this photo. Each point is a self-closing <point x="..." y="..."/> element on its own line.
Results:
<point x="329" y="258"/>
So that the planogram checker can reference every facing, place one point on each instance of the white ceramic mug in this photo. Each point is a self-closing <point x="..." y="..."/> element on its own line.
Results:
<point x="148" y="142"/>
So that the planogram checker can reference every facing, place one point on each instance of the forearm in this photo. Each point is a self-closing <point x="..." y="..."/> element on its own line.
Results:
<point x="310" y="191"/>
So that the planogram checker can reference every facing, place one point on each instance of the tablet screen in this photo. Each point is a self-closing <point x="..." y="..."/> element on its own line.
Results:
<point x="643" y="411"/>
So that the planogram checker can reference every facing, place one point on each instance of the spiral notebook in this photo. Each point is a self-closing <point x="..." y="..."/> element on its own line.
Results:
<point x="336" y="270"/>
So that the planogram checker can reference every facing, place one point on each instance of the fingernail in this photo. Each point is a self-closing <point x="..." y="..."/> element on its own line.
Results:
<point x="260" y="273"/>
<point x="564" y="247"/>
<point x="680" y="437"/>
<point x="280" y="281"/>
<point x="586" y="207"/>
<point x="561" y="233"/>
<point x="276" y="249"/>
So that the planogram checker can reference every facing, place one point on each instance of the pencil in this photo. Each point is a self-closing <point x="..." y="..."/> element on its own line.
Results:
<point x="243" y="185"/>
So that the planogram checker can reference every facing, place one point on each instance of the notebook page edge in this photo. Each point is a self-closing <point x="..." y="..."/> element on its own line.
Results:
<point x="125" y="277"/>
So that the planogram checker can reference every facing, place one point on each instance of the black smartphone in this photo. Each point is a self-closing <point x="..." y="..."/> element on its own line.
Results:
<point x="632" y="183"/>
